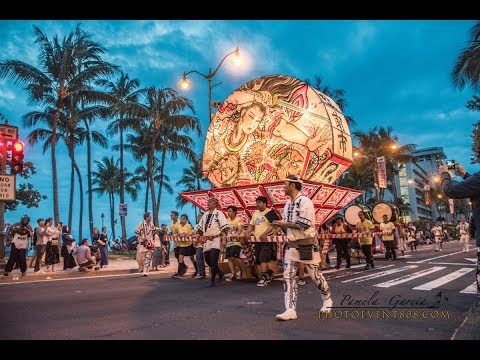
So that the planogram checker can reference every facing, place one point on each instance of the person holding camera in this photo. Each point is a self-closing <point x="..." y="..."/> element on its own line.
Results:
<point x="468" y="188"/>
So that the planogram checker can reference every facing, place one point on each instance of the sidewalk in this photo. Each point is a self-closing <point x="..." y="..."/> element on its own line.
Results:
<point x="122" y="265"/>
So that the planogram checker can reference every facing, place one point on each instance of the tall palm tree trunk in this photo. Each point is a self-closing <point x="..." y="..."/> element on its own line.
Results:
<point x="72" y="187"/>
<point x="80" y="216"/>
<point x="112" y="213"/>
<point x="146" y="195"/>
<point x="122" y="182"/>
<point x="162" y="166"/>
<point x="89" y="179"/>
<point x="152" y="184"/>
<point x="56" y="212"/>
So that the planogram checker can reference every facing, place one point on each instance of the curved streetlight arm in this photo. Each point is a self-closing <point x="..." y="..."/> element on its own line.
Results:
<point x="221" y="62"/>
<point x="194" y="71"/>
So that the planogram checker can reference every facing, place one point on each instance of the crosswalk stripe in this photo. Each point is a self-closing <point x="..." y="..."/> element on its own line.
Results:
<point x="357" y="272"/>
<point x="471" y="289"/>
<point x="409" y="277"/>
<point x="444" y="279"/>
<point x="381" y="273"/>
<point x="438" y="257"/>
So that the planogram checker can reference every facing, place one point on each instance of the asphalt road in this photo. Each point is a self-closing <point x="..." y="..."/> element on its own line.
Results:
<point x="368" y="305"/>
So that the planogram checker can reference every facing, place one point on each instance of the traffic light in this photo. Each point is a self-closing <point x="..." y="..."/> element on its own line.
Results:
<point x="16" y="163"/>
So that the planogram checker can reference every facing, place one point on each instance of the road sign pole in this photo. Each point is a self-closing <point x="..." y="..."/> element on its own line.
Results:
<point x="3" y="162"/>
<point x="7" y="132"/>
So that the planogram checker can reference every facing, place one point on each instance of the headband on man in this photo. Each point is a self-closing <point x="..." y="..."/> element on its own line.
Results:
<point x="294" y="178"/>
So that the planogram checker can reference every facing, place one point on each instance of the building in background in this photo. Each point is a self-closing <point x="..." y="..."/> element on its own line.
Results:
<point x="413" y="180"/>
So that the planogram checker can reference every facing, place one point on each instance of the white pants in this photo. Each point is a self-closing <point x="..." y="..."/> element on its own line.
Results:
<point x="312" y="268"/>
<point x="464" y="240"/>
<point x="438" y="243"/>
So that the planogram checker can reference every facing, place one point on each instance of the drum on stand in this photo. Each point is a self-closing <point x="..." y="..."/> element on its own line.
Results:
<point x="351" y="213"/>
<point x="384" y="208"/>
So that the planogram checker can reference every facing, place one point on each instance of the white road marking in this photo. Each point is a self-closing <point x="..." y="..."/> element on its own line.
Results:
<point x="442" y="263"/>
<point x="471" y="289"/>
<point x="74" y="278"/>
<point x="443" y="280"/>
<point x="381" y="273"/>
<point x="438" y="257"/>
<point x="409" y="277"/>
<point x="358" y="272"/>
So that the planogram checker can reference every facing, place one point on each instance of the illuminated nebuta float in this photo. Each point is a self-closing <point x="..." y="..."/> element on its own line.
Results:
<point x="268" y="128"/>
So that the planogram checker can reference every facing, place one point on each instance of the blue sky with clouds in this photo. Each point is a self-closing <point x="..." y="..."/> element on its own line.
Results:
<point x="395" y="73"/>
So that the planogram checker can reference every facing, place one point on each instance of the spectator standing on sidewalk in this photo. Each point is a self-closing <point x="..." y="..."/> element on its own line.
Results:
<point x="103" y="241"/>
<point x="165" y="245"/>
<point x="67" y="242"/>
<point x="41" y="243"/>
<point x="18" y="237"/>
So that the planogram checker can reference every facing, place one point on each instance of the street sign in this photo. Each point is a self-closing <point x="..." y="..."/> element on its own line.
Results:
<point x="7" y="187"/>
<point x="8" y="132"/>
<point x="122" y="210"/>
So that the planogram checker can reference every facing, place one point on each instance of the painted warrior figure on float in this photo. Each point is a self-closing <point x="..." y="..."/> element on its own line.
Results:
<point x="273" y="126"/>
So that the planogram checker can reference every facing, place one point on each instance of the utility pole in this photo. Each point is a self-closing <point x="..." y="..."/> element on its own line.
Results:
<point x="8" y="134"/>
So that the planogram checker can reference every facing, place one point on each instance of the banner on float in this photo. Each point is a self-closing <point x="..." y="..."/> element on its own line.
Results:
<point x="382" y="172"/>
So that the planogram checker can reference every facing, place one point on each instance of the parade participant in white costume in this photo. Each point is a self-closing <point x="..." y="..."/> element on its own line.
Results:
<point x="299" y="224"/>
<point x="437" y="233"/>
<point x="213" y="226"/>
<point x="145" y="232"/>
<point x="463" y="230"/>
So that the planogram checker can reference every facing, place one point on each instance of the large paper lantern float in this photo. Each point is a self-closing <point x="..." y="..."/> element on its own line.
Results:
<point x="268" y="128"/>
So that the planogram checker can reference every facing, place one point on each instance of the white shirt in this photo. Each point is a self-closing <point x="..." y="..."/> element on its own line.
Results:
<point x="145" y="231"/>
<point x="213" y="225"/>
<point x="301" y="212"/>
<point x="463" y="228"/>
<point x="437" y="231"/>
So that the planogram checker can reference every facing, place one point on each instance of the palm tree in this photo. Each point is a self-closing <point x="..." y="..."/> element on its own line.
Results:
<point x="123" y="93"/>
<point x="107" y="181"/>
<point x="173" y="142"/>
<point x="56" y="78"/>
<point x="358" y="176"/>
<point x="404" y="207"/>
<point x="337" y="95"/>
<point x="163" y="106"/>
<point x="72" y="135"/>
<point x="192" y="180"/>
<point x="467" y="65"/>
<point x="379" y="142"/>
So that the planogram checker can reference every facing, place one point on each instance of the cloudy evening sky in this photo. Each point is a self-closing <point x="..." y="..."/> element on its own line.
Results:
<point x="395" y="73"/>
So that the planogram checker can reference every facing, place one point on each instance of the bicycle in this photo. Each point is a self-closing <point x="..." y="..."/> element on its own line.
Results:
<point x="118" y="247"/>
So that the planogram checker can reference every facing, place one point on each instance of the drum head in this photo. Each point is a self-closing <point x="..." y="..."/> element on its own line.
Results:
<point x="351" y="214"/>
<point x="381" y="209"/>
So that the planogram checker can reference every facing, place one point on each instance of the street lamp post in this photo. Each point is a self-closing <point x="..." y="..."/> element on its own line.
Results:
<point x="185" y="83"/>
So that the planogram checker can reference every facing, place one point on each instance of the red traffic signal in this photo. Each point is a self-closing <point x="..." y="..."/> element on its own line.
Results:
<point x="16" y="164"/>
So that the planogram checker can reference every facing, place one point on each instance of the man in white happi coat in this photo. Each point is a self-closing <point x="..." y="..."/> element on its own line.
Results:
<point x="145" y="232"/>
<point x="463" y="230"/>
<point x="213" y="226"/>
<point x="299" y="224"/>
<point x="436" y="231"/>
